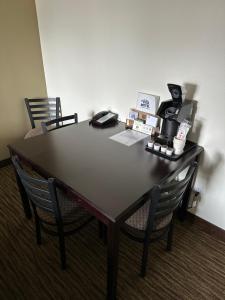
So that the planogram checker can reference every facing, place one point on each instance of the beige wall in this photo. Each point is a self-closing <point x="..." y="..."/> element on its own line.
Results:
<point x="21" y="68"/>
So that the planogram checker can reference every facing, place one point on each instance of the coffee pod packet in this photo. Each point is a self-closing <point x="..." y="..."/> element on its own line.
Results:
<point x="183" y="130"/>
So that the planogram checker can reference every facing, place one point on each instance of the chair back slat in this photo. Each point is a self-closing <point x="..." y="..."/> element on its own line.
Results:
<point x="42" y="99"/>
<point x="45" y="108"/>
<point x="44" y="117"/>
<point x="38" y="190"/>
<point x="169" y="202"/>
<point x="24" y="176"/>
<point x="164" y="211"/>
<point x="175" y="185"/>
<point x="48" y="110"/>
<point x="41" y="192"/>
<point x="172" y="193"/>
<point x="59" y="122"/>
<point x="39" y="201"/>
<point x="166" y="198"/>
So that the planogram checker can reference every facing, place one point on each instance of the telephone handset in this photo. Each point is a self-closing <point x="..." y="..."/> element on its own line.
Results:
<point x="104" y="119"/>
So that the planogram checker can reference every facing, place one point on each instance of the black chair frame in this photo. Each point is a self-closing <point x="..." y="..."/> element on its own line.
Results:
<point x="164" y="199"/>
<point x="43" y="109"/>
<point x="58" y="122"/>
<point x="42" y="194"/>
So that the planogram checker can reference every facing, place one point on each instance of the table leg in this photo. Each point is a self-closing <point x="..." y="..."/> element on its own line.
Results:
<point x="182" y="212"/>
<point x="113" y="253"/>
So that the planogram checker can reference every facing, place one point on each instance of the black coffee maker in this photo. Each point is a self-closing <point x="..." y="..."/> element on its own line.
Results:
<point x="173" y="112"/>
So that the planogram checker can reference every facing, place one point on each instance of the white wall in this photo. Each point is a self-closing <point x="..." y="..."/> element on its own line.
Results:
<point x="99" y="53"/>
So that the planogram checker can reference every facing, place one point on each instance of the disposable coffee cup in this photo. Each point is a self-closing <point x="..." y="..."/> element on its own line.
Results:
<point x="178" y="151"/>
<point x="156" y="147"/>
<point x="178" y="145"/>
<point x="169" y="151"/>
<point x="150" y="144"/>
<point x="163" y="148"/>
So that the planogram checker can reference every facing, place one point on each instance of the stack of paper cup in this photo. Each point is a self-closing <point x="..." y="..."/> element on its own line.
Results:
<point x="178" y="145"/>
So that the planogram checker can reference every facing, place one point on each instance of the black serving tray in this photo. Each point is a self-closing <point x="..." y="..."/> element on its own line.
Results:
<point x="188" y="147"/>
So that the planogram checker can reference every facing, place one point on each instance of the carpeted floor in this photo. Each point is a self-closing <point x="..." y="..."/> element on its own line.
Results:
<point x="195" y="269"/>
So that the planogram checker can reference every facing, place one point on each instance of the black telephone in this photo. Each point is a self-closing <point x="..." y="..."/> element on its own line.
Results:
<point x="104" y="119"/>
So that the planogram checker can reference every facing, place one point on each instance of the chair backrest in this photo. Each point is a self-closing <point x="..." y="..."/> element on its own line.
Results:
<point x="59" y="122"/>
<point x="167" y="197"/>
<point x="41" y="192"/>
<point x="42" y="109"/>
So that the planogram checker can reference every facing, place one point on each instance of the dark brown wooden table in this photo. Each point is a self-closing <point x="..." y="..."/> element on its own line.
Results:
<point x="107" y="177"/>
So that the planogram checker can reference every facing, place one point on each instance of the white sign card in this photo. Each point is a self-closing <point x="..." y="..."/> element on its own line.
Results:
<point x="144" y="128"/>
<point x="152" y="121"/>
<point x="133" y="115"/>
<point x="128" y="137"/>
<point x="147" y="103"/>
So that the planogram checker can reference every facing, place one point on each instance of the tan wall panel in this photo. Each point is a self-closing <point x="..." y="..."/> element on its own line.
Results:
<point x="21" y="68"/>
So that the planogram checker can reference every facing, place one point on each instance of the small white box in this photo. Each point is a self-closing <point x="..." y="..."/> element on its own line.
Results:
<point x="133" y="115"/>
<point x="147" y="103"/>
<point x="152" y="120"/>
<point x="144" y="128"/>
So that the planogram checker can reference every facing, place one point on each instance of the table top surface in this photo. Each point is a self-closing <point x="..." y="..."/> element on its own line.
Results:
<point x="109" y="175"/>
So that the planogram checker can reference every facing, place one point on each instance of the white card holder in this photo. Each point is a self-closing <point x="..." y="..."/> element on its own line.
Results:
<point x="144" y="128"/>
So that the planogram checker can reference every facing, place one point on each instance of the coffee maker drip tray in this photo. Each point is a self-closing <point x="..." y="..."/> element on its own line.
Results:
<point x="188" y="147"/>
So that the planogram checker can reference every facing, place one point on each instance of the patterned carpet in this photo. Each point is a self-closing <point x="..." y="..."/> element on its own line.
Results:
<point x="195" y="269"/>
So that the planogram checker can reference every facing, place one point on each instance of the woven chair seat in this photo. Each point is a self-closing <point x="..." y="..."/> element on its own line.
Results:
<point x="33" y="132"/>
<point x="139" y="219"/>
<point x="71" y="212"/>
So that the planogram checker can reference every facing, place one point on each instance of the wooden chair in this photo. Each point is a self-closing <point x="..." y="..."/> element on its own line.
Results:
<point x="154" y="220"/>
<point x="59" y="122"/>
<point x="41" y="109"/>
<point x="54" y="212"/>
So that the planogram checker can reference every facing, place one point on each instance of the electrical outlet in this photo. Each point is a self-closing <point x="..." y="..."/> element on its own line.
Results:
<point x="197" y="189"/>
<point x="194" y="203"/>
<point x="194" y="199"/>
<point x="197" y="196"/>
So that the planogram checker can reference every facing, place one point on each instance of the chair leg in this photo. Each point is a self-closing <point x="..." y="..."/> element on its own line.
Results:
<point x="38" y="228"/>
<point x="170" y="237"/>
<point x="62" y="246"/>
<point x="102" y="232"/>
<point x="100" y="229"/>
<point x="144" y="261"/>
<point x="105" y="236"/>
